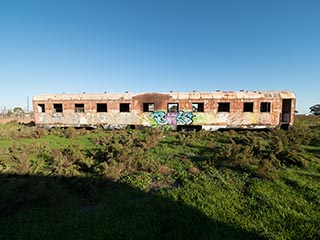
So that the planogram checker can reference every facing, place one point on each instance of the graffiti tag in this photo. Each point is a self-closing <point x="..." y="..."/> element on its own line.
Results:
<point x="185" y="117"/>
<point x="173" y="118"/>
<point x="160" y="117"/>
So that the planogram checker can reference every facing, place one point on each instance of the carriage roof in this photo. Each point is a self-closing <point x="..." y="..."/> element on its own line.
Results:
<point x="172" y="95"/>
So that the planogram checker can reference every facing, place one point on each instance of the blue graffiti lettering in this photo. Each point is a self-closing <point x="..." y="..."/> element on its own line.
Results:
<point x="160" y="117"/>
<point x="185" y="117"/>
<point x="182" y="118"/>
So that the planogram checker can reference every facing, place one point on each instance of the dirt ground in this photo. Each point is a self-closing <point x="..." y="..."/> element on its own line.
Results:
<point x="19" y="120"/>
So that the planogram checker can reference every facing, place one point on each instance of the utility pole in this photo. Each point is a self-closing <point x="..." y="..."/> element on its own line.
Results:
<point x="27" y="104"/>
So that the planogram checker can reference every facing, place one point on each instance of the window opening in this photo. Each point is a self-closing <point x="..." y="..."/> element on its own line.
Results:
<point x="224" y="107"/>
<point x="102" y="107"/>
<point x="173" y="107"/>
<point x="265" y="107"/>
<point x="41" y="107"/>
<point x="148" y="107"/>
<point x="57" y="107"/>
<point x="248" y="107"/>
<point x="124" y="107"/>
<point x="79" y="107"/>
<point x="197" y="107"/>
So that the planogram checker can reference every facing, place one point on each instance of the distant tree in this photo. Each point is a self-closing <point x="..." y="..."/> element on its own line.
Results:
<point x="315" y="109"/>
<point x="18" y="111"/>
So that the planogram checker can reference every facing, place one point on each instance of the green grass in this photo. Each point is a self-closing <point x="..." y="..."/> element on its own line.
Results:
<point x="159" y="184"/>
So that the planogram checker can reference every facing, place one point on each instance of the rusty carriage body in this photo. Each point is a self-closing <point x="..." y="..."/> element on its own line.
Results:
<point x="201" y="110"/>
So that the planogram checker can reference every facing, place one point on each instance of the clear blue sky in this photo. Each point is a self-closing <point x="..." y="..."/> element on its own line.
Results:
<point x="55" y="46"/>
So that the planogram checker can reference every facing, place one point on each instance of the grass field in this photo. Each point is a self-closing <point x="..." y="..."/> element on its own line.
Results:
<point x="158" y="184"/>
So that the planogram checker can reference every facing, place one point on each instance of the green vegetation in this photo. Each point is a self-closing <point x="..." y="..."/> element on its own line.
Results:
<point x="160" y="184"/>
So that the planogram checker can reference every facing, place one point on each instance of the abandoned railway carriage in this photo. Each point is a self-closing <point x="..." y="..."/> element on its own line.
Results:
<point x="201" y="110"/>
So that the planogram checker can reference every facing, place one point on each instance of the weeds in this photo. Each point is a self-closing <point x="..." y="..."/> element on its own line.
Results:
<point x="263" y="183"/>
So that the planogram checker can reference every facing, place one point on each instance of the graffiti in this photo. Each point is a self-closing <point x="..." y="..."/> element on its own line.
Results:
<point x="173" y="118"/>
<point x="185" y="117"/>
<point x="160" y="117"/>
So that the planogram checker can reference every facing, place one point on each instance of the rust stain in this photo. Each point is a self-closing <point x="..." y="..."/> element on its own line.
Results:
<point x="159" y="100"/>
